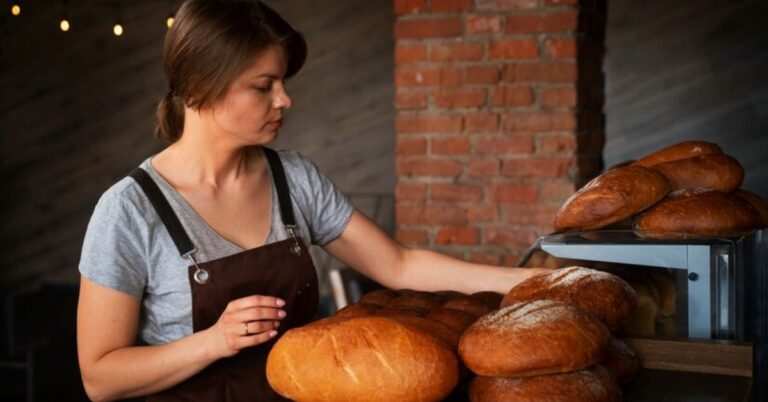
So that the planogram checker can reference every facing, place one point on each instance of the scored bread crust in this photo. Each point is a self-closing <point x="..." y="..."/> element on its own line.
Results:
<point x="594" y="384"/>
<point x="611" y="197"/>
<point x="364" y="359"/>
<point x="698" y="213"/>
<point x="714" y="172"/>
<point x="606" y="296"/>
<point x="681" y="150"/>
<point x="533" y="338"/>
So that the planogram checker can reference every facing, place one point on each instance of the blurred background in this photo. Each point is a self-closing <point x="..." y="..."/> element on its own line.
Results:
<point x="459" y="125"/>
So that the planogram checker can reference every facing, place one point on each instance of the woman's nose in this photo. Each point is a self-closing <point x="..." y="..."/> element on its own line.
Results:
<point x="282" y="100"/>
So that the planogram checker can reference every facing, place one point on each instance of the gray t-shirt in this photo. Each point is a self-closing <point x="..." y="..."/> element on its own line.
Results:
<point x="128" y="249"/>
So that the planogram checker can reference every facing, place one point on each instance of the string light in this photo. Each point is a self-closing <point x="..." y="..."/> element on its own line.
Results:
<point x="117" y="29"/>
<point x="64" y="24"/>
<point x="15" y="9"/>
<point x="170" y="19"/>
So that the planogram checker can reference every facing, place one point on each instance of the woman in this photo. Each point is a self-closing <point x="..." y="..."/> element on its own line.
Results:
<point x="194" y="264"/>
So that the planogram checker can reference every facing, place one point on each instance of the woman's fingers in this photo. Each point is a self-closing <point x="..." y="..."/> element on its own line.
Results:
<point x="256" y="313"/>
<point x="255" y="301"/>
<point x="257" y="327"/>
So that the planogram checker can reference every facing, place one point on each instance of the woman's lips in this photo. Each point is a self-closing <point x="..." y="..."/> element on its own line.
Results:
<point x="275" y="124"/>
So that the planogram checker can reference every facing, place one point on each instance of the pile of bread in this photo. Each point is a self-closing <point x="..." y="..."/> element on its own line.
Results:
<point x="549" y="339"/>
<point x="690" y="189"/>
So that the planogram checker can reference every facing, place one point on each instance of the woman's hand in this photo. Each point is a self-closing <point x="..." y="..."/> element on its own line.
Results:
<point x="245" y="322"/>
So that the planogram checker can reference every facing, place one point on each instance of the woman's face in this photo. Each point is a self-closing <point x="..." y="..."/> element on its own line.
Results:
<point x="252" y="110"/>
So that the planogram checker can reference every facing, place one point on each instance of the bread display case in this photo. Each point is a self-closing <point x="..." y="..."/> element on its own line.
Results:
<point x="700" y="324"/>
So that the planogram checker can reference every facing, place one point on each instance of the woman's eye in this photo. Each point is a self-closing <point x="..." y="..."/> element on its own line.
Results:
<point x="263" y="89"/>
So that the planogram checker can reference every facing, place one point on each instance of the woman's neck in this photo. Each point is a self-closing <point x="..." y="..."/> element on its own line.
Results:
<point x="203" y="157"/>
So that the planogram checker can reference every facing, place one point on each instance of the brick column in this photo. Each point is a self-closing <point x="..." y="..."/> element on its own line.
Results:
<point x="499" y="117"/>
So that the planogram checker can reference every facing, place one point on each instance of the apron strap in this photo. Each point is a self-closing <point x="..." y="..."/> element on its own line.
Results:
<point x="164" y="210"/>
<point x="281" y="186"/>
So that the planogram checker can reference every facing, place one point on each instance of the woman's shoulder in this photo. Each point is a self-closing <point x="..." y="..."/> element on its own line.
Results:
<point x="123" y="197"/>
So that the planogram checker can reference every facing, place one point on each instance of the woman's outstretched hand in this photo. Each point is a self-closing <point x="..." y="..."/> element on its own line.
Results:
<point x="246" y="322"/>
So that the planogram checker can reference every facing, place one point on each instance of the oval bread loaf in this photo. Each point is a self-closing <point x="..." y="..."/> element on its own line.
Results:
<point x="682" y="150"/>
<point x="621" y="361"/>
<point x="758" y="203"/>
<point x="714" y="172"/>
<point x="698" y="213"/>
<point x="361" y="359"/>
<point x="591" y="385"/>
<point x="606" y="296"/>
<point x="611" y="197"/>
<point x="533" y="338"/>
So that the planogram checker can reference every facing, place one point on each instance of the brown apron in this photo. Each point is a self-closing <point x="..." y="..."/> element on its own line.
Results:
<point x="283" y="269"/>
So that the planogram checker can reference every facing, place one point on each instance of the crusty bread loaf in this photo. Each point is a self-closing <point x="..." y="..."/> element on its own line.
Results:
<point x="606" y="296"/>
<point x="714" y="172"/>
<point x="667" y="289"/>
<point x="382" y="297"/>
<point x="533" y="338"/>
<point x="430" y="327"/>
<point x="698" y="213"/>
<point x="454" y="319"/>
<point x="611" y="197"/>
<point x="424" y="300"/>
<point x="682" y="150"/>
<point x="467" y="304"/>
<point x="621" y="361"/>
<point x="358" y="309"/>
<point x="362" y="359"/>
<point x="642" y="321"/>
<point x="591" y="385"/>
<point x="758" y="203"/>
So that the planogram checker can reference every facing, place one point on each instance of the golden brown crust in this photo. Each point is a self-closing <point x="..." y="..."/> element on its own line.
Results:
<point x="454" y="319"/>
<point x="361" y="359"/>
<point x="591" y="385"/>
<point x="491" y="299"/>
<point x="538" y="337"/>
<point x="621" y="361"/>
<point x="604" y="295"/>
<point x="758" y="203"/>
<point x="714" y="172"/>
<point x="359" y="309"/>
<point x="423" y="300"/>
<point x="467" y="304"/>
<point x="682" y="150"/>
<point x="698" y="213"/>
<point x="611" y="197"/>
<point x="382" y="297"/>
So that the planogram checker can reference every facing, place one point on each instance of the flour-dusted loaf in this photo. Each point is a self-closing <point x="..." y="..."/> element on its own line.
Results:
<point x="611" y="197"/>
<point x="606" y="296"/>
<point x="621" y="361"/>
<point x="590" y="385"/>
<point x="682" y="150"/>
<point x="361" y="359"/>
<point x="758" y="203"/>
<point x="698" y="213"/>
<point x="714" y="172"/>
<point x="533" y="338"/>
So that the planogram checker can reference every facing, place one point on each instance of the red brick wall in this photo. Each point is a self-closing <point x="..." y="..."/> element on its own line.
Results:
<point x="499" y="117"/>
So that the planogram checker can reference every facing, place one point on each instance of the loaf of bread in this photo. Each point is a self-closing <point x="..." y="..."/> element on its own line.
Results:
<point x="381" y="297"/>
<point x="642" y="321"/>
<point x="611" y="197"/>
<point x="621" y="361"/>
<point x="604" y="295"/>
<point x="698" y="213"/>
<point x="358" y="309"/>
<point x="491" y="299"/>
<point x="454" y="319"/>
<point x="667" y="290"/>
<point x="682" y="150"/>
<point x="468" y="304"/>
<point x="714" y="172"/>
<point x="533" y="338"/>
<point x="361" y="359"/>
<point x="758" y="203"/>
<point x="424" y="300"/>
<point x="591" y="385"/>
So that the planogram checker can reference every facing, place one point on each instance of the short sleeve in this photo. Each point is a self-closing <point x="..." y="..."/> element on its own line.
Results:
<point x="113" y="253"/>
<point x="328" y="209"/>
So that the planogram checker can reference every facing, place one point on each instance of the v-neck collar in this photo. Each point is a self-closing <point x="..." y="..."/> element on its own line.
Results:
<point x="192" y="212"/>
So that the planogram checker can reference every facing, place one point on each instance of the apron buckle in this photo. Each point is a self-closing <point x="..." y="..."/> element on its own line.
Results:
<point x="200" y="276"/>
<point x="295" y="247"/>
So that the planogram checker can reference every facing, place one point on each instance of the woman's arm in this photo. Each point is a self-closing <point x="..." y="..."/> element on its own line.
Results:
<point x="365" y="247"/>
<point x="113" y="368"/>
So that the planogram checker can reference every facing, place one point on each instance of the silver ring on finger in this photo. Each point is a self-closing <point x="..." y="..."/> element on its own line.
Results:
<point x="246" y="333"/>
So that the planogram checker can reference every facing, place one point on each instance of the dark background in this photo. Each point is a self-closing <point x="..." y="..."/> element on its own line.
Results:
<point x="77" y="114"/>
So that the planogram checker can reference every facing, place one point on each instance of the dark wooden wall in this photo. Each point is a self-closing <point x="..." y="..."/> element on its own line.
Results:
<point x="77" y="112"/>
<point x="678" y="70"/>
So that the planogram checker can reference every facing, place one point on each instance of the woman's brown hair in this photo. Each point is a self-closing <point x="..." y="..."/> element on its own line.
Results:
<point x="209" y="44"/>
